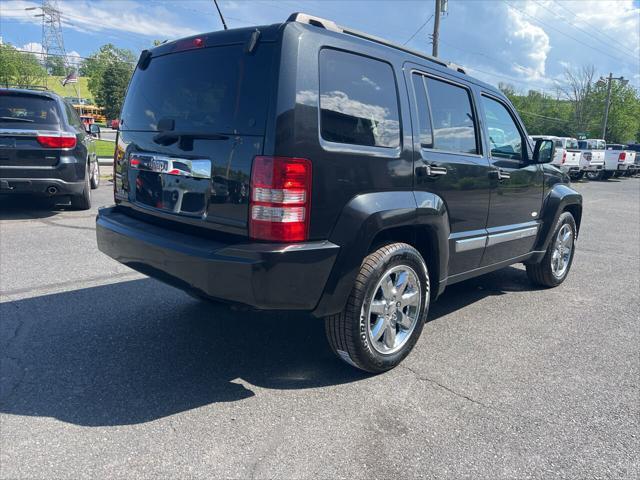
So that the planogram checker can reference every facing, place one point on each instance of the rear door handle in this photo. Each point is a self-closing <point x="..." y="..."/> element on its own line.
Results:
<point x="500" y="174"/>
<point x="430" y="171"/>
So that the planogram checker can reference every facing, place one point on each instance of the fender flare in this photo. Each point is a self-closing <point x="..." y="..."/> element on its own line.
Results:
<point x="365" y="217"/>
<point x="558" y="198"/>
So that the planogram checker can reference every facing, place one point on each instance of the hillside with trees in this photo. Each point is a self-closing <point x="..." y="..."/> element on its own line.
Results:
<point x="578" y="108"/>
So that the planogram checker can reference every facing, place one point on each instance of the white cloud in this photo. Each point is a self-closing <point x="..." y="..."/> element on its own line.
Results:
<point x="33" y="47"/>
<point x="533" y="42"/>
<point x="84" y="16"/>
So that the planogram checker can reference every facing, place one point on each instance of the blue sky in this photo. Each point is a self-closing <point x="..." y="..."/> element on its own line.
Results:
<point x="527" y="43"/>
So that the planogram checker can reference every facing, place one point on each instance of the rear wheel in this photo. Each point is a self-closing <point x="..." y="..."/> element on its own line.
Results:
<point x="385" y="312"/>
<point x="555" y="266"/>
<point x="607" y="175"/>
<point x="577" y="176"/>
<point x="83" y="200"/>
<point x="595" y="175"/>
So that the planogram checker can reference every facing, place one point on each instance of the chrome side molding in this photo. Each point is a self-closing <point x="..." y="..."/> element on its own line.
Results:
<point x="473" y="243"/>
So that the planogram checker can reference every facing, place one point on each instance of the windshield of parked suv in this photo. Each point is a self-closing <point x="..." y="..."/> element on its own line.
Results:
<point x="27" y="111"/>
<point x="213" y="90"/>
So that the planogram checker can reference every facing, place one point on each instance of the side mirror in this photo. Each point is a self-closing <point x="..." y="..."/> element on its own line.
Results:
<point x="544" y="151"/>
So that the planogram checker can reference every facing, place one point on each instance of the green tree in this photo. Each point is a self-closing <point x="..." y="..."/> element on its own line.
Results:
<point x="109" y="70"/>
<point x="114" y="86"/>
<point x="55" y="66"/>
<point x="20" y="68"/>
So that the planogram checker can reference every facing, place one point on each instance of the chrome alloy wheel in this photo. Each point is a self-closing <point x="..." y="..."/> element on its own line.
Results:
<point x="392" y="311"/>
<point x="563" y="248"/>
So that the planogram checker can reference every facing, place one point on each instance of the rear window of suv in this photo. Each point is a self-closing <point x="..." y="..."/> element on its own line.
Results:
<point x="26" y="111"/>
<point x="214" y="90"/>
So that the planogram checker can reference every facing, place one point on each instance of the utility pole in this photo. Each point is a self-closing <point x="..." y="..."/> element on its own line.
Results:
<point x="436" y="29"/>
<point x="607" y="104"/>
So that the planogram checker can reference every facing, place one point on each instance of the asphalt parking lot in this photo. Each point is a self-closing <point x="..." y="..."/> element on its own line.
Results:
<point x="106" y="373"/>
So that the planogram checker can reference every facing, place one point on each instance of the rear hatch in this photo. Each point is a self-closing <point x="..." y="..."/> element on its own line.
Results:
<point x="25" y="116"/>
<point x="192" y="122"/>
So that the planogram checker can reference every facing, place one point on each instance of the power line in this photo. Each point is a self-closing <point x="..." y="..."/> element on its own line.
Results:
<point x="590" y="34"/>
<point x="595" y="28"/>
<point x="418" y="30"/>
<point x="60" y="55"/>
<point x="561" y="32"/>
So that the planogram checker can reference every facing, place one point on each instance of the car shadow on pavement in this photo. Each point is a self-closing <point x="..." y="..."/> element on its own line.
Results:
<point x="19" y="207"/>
<point x="139" y="350"/>
<point x="136" y="351"/>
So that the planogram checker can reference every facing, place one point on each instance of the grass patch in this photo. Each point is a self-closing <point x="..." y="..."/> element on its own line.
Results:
<point x="70" y="89"/>
<point x="105" y="149"/>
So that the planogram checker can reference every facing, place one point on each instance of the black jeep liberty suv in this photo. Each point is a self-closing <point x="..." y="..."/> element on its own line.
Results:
<point x="307" y="166"/>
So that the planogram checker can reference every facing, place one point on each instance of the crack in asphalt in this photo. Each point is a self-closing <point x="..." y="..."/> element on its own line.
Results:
<point x="448" y="389"/>
<point x="73" y="227"/>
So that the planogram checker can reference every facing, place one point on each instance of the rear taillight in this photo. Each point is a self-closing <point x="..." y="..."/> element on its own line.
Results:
<point x="59" y="140"/>
<point x="622" y="156"/>
<point x="564" y="156"/>
<point x="280" y="199"/>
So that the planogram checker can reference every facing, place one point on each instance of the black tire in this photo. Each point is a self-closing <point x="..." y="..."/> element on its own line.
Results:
<point x="607" y="175"/>
<point x="595" y="175"/>
<point x="83" y="200"/>
<point x="347" y="331"/>
<point x="542" y="273"/>
<point x="95" y="175"/>
<point x="577" y="176"/>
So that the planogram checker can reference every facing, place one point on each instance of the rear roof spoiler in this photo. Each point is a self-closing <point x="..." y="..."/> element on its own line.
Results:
<point x="334" y="27"/>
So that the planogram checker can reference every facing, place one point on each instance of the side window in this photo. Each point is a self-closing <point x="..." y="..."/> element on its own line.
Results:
<point x="452" y="117"/>
<point x="358" y="100"/>
<point x="73" y="116"/>
<point x="424" y="117"/>
<point x="504" y="137"/>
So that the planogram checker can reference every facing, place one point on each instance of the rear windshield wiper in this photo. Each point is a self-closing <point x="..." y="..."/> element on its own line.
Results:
<point x="172" y="136"/>
<point x="15" y="119"/>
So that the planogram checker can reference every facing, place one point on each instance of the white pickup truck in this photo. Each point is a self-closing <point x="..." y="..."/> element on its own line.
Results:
<point x="594" y="150"/>
<point x="567" y="157"/>
<point x="617" y="160"/>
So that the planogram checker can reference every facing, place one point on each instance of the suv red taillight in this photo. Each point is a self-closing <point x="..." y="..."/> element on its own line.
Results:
<point x="564" y="156"/>
<point x="622" y="157"/>
<point x="61" y="140"/>
<point x="280" y="199"/>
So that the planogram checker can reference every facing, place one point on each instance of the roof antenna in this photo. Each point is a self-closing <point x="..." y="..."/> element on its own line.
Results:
<point x="220" y="13"/>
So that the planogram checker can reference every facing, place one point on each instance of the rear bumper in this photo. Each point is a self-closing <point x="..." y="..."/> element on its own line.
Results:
<point x="570" y="168"/>
<point x="260" y="275"/>
<point x="595" y="168"/>
<point x="67" y="177"/>
<point x="40" y="186"/>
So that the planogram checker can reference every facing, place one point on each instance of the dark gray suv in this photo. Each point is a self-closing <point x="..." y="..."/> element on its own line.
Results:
<point x="45" y="149"/>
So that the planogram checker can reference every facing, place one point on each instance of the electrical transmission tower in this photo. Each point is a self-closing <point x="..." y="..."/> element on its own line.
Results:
<point x="52" y="40"/>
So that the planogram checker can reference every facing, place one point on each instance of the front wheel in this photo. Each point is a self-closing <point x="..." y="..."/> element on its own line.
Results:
<point x="95" y="175"/>
<point x="385" y="312"/>
<point x="555" y="266"/>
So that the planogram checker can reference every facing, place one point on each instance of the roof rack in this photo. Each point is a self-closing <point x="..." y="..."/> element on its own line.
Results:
<point x="334" y="27"/>
<point x="25" y="87"/>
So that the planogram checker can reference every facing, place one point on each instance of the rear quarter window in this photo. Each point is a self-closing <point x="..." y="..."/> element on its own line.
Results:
<point x="358" y="100"/>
